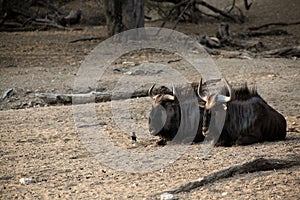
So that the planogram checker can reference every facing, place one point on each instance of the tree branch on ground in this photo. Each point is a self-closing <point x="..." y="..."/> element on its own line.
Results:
<point x="28" y="14"/>
<point x="244" y="48"/>
<point x="293" y="51"/>
<point x="273" y="24"/>
<point x="259" y="164"/>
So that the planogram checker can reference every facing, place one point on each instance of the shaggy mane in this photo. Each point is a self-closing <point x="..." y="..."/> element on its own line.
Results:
<point x="244" y="93"/>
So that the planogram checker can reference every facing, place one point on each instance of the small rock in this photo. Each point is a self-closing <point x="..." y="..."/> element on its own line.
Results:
<point x="168" y="196"/>
<point x="224" y="193"/>
<point x="134" y="185"/>
<point x="28" y="91"/>
<point x="127" y="63"/>
<point x="30" y="104"/>
<point x="128" y="73"/>
<point x="26" y="181"/>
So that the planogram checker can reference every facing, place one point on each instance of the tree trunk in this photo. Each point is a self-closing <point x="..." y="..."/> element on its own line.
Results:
<point x="122" y="15"/>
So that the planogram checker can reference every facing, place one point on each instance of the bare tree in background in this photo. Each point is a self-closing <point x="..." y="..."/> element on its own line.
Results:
<point x="122" y="15"/>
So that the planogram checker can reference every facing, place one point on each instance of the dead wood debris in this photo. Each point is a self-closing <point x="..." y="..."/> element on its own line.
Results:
<point x="239" y="45"/>
<point x="273" y="24"/>
<point x="263" y="33"/>
<point x="87" y="39"/>
<point x="96" y="97"/>
<point x="260" y="164"/>
<point x="8" y="93"/>
<point x="190" y="10"/>
<point x="283" y="52"/>
<point x="36" y="15"/>
<point x="90" y="97"/>
<point x="65" y="99"/>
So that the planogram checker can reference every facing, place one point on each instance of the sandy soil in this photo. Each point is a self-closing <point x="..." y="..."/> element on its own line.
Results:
<point x="41" y="142"/>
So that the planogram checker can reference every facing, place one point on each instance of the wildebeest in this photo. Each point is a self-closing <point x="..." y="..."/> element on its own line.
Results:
<point x="166" y="117"/>
<point x="249" y="119"/>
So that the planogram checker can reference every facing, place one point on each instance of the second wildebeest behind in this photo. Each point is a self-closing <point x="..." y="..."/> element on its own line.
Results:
<point x="249" y="119"/>
<point x="175" y="119"/>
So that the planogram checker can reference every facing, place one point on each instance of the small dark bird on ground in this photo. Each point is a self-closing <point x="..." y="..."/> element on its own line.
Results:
<point x="133" y="136"/>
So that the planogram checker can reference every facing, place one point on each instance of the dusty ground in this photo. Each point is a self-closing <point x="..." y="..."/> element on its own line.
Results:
<point x="42" y="142"/>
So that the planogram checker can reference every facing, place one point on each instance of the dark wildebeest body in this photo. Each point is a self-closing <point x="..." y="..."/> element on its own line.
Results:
<point x="166" y="116"/>
<point x="249" y="119"/>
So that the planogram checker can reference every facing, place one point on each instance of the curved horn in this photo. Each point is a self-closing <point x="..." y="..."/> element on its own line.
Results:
<point x="203" y="97"/>
<point x="173" y="90"/>
<point x="150" y="90"/>
<point x="169" y="97"/>
<point x="225" y="99"/>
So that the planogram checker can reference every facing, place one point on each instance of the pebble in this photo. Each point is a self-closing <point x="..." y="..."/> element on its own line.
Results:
<point x="168" y="196"/>
<point x="224" y="193"/>
<point x="26" y="181"/>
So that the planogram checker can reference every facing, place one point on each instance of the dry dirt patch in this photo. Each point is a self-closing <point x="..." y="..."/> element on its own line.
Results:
<point x="42" y="142"/>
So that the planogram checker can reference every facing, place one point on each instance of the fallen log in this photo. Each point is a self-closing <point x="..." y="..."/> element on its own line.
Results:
<point x="260" y="164"/>
<point x="96" y="97"/>
<point x="273" y="24"/>
<point x="31" y="19"/>
<point x="245" y="44"/>
<point x="293" y="51"/>
<point x="251" y="48"/>
<point x="230" y="54"/>
<point x="264" y="33"/>
<point x="91" y="97"/>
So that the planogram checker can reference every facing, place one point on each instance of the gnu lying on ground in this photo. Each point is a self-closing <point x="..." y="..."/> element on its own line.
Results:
<point x="166" y="117"/>
<point x="248" y="119"/>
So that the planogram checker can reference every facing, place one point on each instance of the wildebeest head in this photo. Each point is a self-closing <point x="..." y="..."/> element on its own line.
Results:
<point x="176" y="113"/>
<point x="164" y="118"/>
<point x="214" y="101"/>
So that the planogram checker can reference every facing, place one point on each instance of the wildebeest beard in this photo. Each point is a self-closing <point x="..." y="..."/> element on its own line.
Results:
<point x="213" y="121"/>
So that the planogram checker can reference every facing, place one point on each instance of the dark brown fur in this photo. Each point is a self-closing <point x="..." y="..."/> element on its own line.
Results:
<point x="249" y="119"/>
<point x="165" y="119"/>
